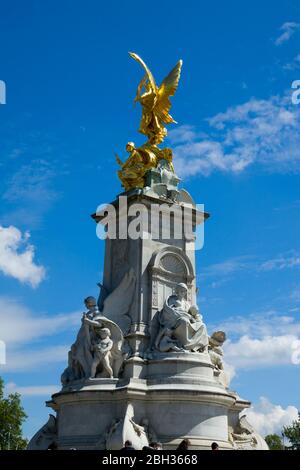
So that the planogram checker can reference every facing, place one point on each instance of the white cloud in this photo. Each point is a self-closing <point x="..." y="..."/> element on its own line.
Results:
<point x="287" y="30"/>
<point x="228" y="267"/>
<point x="224" y="270"/>
<point x="30" y="190"/>
<point x="267" y="351"/>
<point x="230" y="371"/>
<point x="17" y="257"/>
<point x="183" y="133"/>
<point x="32" y="183"/>
<point x="262" y="132"/>
<point x="22" y="360"/>
<point x="31" y="390"/>
<point x="281" y="262"/>
<point x="21" y="330"/>
<point x="19" y="325"/>
<point x="268" y="418"/>
<point x="260" y="340"/>
<point x="260" y="325"/>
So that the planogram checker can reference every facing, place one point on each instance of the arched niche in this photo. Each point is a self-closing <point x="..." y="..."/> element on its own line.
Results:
<point x="168" y="267"/>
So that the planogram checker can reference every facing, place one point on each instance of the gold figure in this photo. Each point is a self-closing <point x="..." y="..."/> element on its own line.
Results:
<point x="156" y="102"/>
<point x="133" y="171"/>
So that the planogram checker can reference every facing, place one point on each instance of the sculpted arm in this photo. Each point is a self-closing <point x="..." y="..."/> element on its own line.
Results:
<point x="91" y="322"/>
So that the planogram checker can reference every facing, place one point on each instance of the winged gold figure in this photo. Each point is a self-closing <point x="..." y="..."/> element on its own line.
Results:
<point x="156" y="102"/>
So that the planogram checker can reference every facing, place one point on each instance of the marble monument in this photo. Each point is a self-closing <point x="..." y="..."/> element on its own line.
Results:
<point x="143" y="366"/>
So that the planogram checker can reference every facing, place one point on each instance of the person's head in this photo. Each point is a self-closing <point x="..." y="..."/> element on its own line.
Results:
<point x="52" y="446"/>
<point x="184" y="445"/>
<point x="214" y="446"/>
<point x="130" y="146"/>
<point x="104" y="333"/>
<point x="157" y="446"/>
<point x="90" y="302"/>
<point x="181" y="290"/>
<point x="128" y="444"/>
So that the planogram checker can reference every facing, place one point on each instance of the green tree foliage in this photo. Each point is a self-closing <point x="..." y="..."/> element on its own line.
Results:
<point x="274" y="442"/>
<point x="292" y="432"/>
<point x="12" y="416"/>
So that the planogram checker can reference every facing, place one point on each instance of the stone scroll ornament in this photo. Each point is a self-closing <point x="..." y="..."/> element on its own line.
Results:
<point x="99" y="351"/>
<point x="178" y="326"/>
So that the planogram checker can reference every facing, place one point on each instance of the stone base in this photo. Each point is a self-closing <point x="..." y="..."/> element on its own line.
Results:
<point x="179" y="397"/>
<point x="174" y="412"/>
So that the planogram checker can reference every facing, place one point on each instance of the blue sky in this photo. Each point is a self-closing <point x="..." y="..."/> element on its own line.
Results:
<point x="70" y="89"/>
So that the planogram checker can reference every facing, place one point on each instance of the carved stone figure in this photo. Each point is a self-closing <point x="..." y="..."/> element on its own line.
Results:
<point x="87" y="357"/>
<point x="165" y="341"/>
<point x="216" y="341"/>
<point x="186" y="328"/>
<point x="102" y="346"/>
<point x="150" y="433"/>
<point x="141" y="433"/>
<point x="74" y="370"/>
<point x="80" y="356"/>
<point x="106" y="340"/>
<point x="126" y="428"/>
<point x="244" y="437"/>
<point x="46" y="437"/>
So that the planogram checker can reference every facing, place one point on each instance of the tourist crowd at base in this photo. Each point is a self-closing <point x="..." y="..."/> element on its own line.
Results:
<point x="153" y="446"/>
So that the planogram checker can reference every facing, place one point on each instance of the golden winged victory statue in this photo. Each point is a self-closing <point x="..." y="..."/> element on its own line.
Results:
<point x="156" y="104"/>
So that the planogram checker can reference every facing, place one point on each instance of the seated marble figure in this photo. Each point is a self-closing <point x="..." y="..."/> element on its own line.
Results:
<point x="178" y="326"/>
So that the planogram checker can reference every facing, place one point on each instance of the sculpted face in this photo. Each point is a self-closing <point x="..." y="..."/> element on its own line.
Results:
<point x="130" y="147"/>
<point x="181" y="292"/>
<point x="90" y="302"/>
<point x="104" y="333"/>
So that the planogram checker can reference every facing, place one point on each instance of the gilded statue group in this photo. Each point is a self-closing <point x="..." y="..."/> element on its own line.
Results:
<point x="156" y="104"/>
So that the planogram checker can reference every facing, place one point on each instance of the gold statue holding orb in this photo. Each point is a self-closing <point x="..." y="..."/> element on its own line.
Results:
<point x="156" y="104"/>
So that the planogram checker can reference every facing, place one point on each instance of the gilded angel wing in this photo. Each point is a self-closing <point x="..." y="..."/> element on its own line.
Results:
<point x="116" y="305"/>
<point x="148" y="98"/>
<point x="148" y="73"/>
<point x="167" y="89"/>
